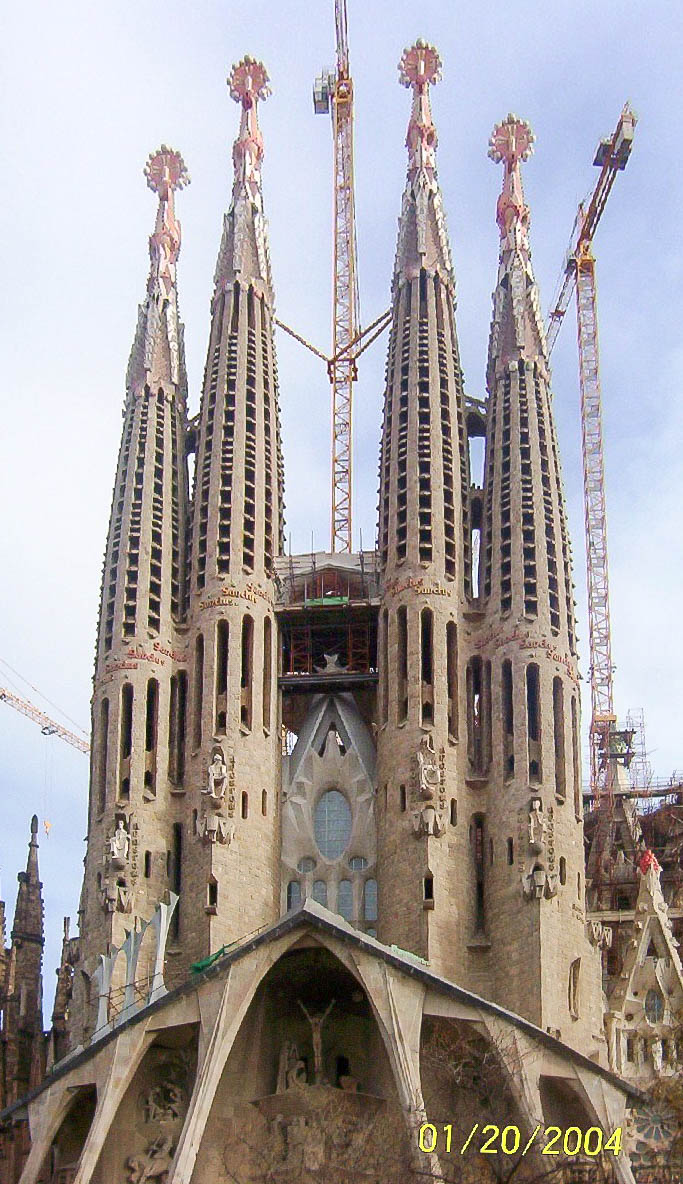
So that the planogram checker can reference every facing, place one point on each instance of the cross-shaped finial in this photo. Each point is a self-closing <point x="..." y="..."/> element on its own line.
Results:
<point x="420" y="66"/>
<point x="248" y="80"/>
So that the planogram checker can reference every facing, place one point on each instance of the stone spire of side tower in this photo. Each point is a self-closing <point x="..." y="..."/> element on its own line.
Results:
<point x="137" y="757"/>
<point x="232" y="827"/>
<point x="532" y="831"/>
<point x="22" y="1052"/>
<point x="423" y="545"/>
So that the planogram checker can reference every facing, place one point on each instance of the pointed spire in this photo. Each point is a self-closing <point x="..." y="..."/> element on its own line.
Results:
<point x="422" y="237"/>
<point x="28" y="915"/>
<point x="158" y="337"/>
<point x="517" y="329"/>
<point x="244" y="249"/>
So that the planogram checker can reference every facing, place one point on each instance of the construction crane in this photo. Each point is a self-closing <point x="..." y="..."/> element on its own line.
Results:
<point x="47" y="726"/>
<point x="579" y="276"/>
<point x="333" y="94"/>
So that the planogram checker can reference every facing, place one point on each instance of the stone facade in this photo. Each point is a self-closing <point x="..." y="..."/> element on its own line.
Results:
<point x="334" y="885"/>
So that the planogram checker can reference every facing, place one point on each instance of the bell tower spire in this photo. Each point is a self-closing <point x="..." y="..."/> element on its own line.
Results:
<point x="423" y="544"/>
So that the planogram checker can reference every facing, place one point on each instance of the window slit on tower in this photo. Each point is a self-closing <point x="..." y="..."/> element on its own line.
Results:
<point x="221" y="699"/>
<point x="247" y="671"/>
<point x="576" y="762"/>
<point x="533" y="719"/>
<point x="126" y="741"/>
<point x="424" y="453"/>
<point x="452" y="678"/>
<point x="102" y="757"/>
<point x="478" y="687"/>
<point x="267" y="673"/>
<point x="198" y="692"/>
<point x="477" y="834"/>
<point x="558" y="737"/>
<point x="151" y="732"/>
<point x="427" y="665"/>
<point x="249" y="527"/>
<point x="402" y="441"/>
<point x="508" y="720"/>
<point x="402" y="630"/>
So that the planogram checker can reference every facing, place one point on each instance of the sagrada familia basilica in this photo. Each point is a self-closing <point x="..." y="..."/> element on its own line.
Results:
<point x="334" y="913"/>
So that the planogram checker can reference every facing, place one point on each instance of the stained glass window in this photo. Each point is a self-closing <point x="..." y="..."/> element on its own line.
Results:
<point x="332" y="824"/>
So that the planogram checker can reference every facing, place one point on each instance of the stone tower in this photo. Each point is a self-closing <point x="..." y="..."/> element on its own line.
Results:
<point x="140" y="679"/>
<point x="231" y="845"/>
<point x="424" y="540"/>
<point x="22" y="1050"/>
<point x="524" y="714"/>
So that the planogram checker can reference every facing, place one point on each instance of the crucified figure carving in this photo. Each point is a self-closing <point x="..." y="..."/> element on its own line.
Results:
<point x="316" y="1022"/>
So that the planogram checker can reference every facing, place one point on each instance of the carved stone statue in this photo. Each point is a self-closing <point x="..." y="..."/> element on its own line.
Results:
<point x="154" y="1164"/>
<point x="217" y="778"/>
<point x="291" y="1069"/>
<point x="316" y="1022"/>
<point x="119" y="844"/>
<point x="427" y="768"/>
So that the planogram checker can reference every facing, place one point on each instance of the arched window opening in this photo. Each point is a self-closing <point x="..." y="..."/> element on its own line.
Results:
<point x="477" y="831"/>
<point x="247" y="671"/>
<point x="576" y="760"/>
<point x="198" y="692"/>
<point x="267" y="672"/>
<point x="508" y="720"/>
<point x="452" y="678"/>
<point x="402" y="643"/>
<point x="332" y="824"/>
<point x="345" y="900"/>
<point x="293" y="894"/>
<point x="103" y="751"/>
<point x="533" y="719"/>
<point x="427" y="665"/>
<point x="370" y="900"/>
<point x="221" y="694"/>
<point x="558" y="733"/>
<point x="478" y="685"/>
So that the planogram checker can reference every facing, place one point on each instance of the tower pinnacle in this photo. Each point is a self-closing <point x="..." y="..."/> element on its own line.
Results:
<point x="511" y="142"/>
<point x="165" y="172"/>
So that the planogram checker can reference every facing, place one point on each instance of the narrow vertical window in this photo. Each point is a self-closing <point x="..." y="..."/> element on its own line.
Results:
<point x="402" y="628"/>
<point x="103" y="750"/>
<point x="267" y="672"/>
<point x="478" y="856"/>
<point x="246" y="680"/>
<point x="126" y="740"/>
<point x="478" y="685"/>
<point x="427" y="665"/>
<point x="221" y="694"/>
<point x="452" y="678"/>
<point x="384" y="658"/>
<point x="176" y="876"/>
<point x="533" y="722"/>
<point x="508" y="720"/>
<point x="576" y="762"/>
<point x="558" y="731"/>
<point x="198" y="692"/>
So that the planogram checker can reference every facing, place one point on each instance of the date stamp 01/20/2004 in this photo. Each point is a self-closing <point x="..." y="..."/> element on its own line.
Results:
<point x="492" y="1140"/>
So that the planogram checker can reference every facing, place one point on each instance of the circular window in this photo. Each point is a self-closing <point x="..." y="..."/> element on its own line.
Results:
<point x="654" y="1007"/>
<point x="332" y="824"/>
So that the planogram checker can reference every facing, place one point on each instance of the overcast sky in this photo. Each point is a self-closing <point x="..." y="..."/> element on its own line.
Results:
<point x="89" y="90"/>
